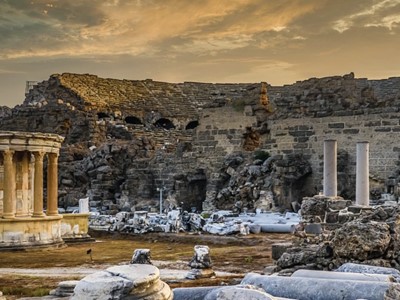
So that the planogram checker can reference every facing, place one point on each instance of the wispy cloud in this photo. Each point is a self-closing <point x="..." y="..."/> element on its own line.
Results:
<point x="374" y="15"/>
<point x="52" y="28"/>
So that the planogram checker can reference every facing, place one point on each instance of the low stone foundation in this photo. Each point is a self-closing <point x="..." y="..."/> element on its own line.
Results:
<point x="24" y="233"/>
<point x="75" y="227"/>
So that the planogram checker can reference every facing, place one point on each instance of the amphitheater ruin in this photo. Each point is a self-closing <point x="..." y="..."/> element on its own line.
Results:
<point x="328" y="147"/>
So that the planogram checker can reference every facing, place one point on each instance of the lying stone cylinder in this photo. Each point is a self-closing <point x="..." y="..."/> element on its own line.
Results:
<point x="343" y="276"/>
<point x="318" y="289"/>
<point x="359" y="268"/>
<point x="198" y="293"/>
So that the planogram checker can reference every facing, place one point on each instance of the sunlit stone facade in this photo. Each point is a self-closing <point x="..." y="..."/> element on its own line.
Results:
<point x="24" y="221"/>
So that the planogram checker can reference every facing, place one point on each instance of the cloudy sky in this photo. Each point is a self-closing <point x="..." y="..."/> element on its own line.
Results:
<point x="278" y="41"/>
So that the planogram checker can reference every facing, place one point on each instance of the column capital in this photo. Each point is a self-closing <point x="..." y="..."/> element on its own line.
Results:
<point x="8" y="154"/>
<point x="39" y="155"/>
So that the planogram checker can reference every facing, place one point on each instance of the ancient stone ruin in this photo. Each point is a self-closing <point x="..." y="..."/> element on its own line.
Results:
<point x="24" y="220"/>
<point x="209" y="145"/>
<point x="129" y="149"/>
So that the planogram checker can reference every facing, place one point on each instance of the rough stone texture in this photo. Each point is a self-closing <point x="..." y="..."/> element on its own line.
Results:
<point x="64" y="288"/>
<point x="361" y="241"/>
<point x="238" y="292"/>
<point x="200" y="264"/>
<point x="317" y="289"/>
<point x="141" y="256"/>
<point x="131" y="137"/>
<point x="359" y="268"/>
<point x="370" y="237"/>
<point x="123" y="282"/>
<point x="393" y="293"/>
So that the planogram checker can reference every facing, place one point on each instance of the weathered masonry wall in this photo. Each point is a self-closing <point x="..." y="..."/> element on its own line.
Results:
<point x="221" y="130"/>
<point x="306" y="135"/>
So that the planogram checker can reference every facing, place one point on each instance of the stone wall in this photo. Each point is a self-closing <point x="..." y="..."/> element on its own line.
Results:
<point x="306" y="136"/>
<point x="188" y="129"/>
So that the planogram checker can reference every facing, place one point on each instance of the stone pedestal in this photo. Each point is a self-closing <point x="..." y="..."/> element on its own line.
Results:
<point x="330" y="168"/>
<point x="84" y="205"/>
<point x="201" y="265"/>
<point x="362" y="174"/>
<point x="141" y="256"/>
<point x="135" y="281"/>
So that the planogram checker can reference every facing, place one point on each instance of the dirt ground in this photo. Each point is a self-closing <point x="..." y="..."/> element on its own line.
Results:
<point x="22" y="274"/>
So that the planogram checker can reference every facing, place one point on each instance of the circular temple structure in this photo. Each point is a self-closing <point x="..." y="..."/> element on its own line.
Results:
<point x="24" y="223"/>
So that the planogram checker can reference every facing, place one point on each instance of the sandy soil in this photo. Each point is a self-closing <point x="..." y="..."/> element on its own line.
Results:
<point x="35" y="273"/>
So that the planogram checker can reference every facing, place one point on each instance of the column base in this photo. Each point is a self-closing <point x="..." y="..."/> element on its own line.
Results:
<point x="52" y="214"/>
<point x="38" y="215"/>
<point x="8" y="216"/>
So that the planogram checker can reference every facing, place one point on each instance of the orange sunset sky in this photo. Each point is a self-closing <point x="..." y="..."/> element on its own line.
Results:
<point x="277" y="41"/>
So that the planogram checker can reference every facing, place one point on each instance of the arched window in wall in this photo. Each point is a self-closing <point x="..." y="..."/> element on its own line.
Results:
<point x="192" y="125"/>
<point x="102" y="115"/>
<point x="164" y="123"/>
<point x="133" y="120"/>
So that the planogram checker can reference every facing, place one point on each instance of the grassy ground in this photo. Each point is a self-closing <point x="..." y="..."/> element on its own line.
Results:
<point x="231" y="254"/>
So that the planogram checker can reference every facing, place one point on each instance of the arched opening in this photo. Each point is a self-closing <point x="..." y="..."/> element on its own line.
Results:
<point x="133" y="120"/>
<point x="164" y="123"/>
<point x="192" y="125"/>
<point x="102" y="115"/>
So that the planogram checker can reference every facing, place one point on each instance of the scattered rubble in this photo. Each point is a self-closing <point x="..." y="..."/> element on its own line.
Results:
<point x="219" y="222"/>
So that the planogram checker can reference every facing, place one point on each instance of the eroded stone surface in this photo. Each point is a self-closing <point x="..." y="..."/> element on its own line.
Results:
<point x="134" y="281"/>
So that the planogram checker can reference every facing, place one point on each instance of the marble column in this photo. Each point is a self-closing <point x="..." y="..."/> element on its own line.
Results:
<point x="9" y="185"/>
<point x="362" y="174"/>
<point x="38" y="186"/>
<point x="330" y="168"/>
<point x="52" y="184"/>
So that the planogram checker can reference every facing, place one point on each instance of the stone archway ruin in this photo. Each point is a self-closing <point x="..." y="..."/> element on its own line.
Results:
<point x="164" y="123"/>
<point x="133" y="120"/>
<point x="192" y="125"/>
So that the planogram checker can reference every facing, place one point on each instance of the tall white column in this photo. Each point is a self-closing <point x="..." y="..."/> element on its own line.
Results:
<point x="362" y="174"/>
<point x="330" y="168"/>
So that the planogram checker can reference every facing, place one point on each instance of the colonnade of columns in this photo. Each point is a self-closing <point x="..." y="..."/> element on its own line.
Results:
<point x="16" y="167"/>
<point x="362" y="171"/>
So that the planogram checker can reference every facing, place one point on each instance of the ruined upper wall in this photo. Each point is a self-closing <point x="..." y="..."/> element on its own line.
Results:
<point x="145" y="99"/>
<point x="335" y="96"/>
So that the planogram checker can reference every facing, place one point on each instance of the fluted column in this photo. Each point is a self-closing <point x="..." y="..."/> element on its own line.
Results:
<point x="52" y="184"/>
<point x="330" y="168"/>
<point x="9" y="185"/>
<point x="362" y="174"/>
<point x="38" y="186"/>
